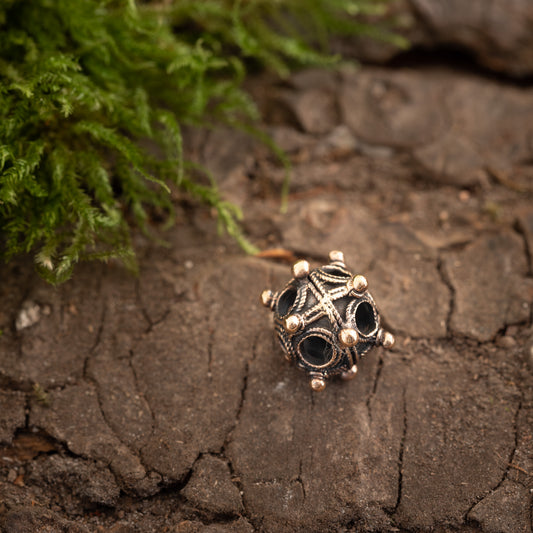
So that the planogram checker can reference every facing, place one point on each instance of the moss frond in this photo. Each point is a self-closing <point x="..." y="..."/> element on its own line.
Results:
<point x="83" y="85"/>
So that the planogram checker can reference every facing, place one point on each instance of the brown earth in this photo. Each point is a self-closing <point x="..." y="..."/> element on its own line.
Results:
<point x="163" y="402"/>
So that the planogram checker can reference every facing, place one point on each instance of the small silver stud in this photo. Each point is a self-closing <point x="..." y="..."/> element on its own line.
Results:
<point x="300" y="269"/>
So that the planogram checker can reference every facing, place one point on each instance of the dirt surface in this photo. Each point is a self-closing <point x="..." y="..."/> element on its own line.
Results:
<point x="163" y="403"/>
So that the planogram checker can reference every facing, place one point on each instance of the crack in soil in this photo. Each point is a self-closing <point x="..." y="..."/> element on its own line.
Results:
<point x="160" y="320"/>
<point x="508" y="464"/>
<point x="39" y="434"/>
<point x="109" y="462"/>
<point x="235" y="476"/>
<point x="146" y="315"/>
<point x="97" y="339"/>
<point x="140" y="304"/>
<point x="182" y="483"/>
<point x="401" y="452"/>
<point x="96" y="387"/>
<point x="441" y="269"/>
<point x="300" y="480"/>
<point x="242" y="399"/>
<point x="135" y="452"/>
<point x="137" y="388"/>
<point x="138" y="452"/>
<point x="221" y="518"/>
<point x="237" y="481"/>
<point x="244" y="388"/>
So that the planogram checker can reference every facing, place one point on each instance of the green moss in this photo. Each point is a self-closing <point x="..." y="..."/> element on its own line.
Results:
<point x="82" y="82"/>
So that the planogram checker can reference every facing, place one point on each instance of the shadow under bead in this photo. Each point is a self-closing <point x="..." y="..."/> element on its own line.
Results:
<point x="326" y="320"/>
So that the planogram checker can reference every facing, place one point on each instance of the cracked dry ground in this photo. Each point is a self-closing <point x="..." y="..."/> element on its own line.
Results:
<point x="163" y="403"/>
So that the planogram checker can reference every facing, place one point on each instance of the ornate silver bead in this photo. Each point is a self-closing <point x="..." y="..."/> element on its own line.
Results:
<point x="326" y="320"/>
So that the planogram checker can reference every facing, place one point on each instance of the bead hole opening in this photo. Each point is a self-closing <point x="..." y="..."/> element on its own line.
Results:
<point x="286" y="301"/>
<point x="316" y="350"/>
<point x="365" y="318"/>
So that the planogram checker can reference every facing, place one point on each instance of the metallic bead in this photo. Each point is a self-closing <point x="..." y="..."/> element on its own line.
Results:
<point x="317" y="383"/>
<point x="336" y="257"/>
<point x="293" y="323"/>
<point x="387" y="339"/>
<point x="266" y="298"/>
<point x="349" y="374"/>
<point x="326" y="320"/>
<point x="359" y="283"/>
<point x="348" y="337"/>
<point x="300" y="269"/>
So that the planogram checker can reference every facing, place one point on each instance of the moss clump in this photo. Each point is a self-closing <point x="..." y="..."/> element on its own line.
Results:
<point x="84" y="82"/>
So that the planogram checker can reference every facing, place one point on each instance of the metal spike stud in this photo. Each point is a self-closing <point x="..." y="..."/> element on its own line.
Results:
<point x="349" y="374"/>
<point x="267" y="298"/>
<point x="336" y="257"/>
<point x="317" y="383"/>
<point x="300" y="269"/>
<point x="293" y="323"/>
<point x="348" y="337"/>
<point x="387" y="339"/>
<point x="359" y="283"/>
